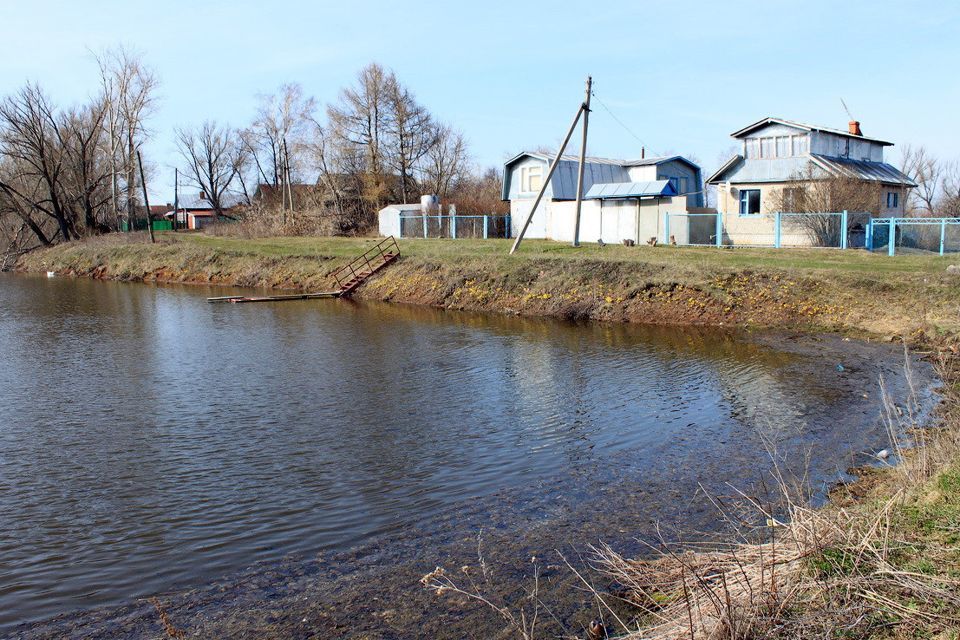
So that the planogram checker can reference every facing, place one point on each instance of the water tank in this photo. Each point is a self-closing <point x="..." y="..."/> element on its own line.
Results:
<point x="430" y="205"/>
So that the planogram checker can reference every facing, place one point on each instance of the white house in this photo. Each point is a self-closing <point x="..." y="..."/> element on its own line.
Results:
<point x="776" y="154"/>
<point x="623" y="200"/>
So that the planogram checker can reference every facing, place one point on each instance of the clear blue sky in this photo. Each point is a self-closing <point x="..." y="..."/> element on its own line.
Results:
<point x="681" y="76"/>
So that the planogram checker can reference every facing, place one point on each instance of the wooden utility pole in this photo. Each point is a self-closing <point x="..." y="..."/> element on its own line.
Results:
<point x="146" y="200"/>
<point x="584" y="107"/>
<point x="176" y="197"/>
<point x="583" y="157"/>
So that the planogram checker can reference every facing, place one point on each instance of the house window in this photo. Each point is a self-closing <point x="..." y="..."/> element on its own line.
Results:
<point x="893" y="199"/>
<point x="749" y="202"/>
<point x="767" y="148"/>
<point x="800" y="145"/>
<point x="783" y="147"/>
<point x="752" y="147"/>
<point x="531" y="179"/>
<point x="682" y="188"/>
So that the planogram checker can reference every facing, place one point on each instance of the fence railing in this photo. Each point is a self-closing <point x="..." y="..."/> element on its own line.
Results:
<point x="454" y="226"/>
<point x="837" y="230"/>
<point x="925" y="235"/>
<point x="693" y="229"/>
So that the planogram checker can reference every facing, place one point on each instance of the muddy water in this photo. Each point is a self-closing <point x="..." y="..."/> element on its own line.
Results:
<point x="153" y="443"/>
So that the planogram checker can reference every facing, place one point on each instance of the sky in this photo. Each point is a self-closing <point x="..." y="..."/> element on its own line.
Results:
<point x="675" y="77"/>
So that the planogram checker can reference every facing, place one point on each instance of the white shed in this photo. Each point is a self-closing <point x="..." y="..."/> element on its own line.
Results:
<point x="389" y="218"/>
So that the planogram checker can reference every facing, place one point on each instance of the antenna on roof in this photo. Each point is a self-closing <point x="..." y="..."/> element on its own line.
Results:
<point x="854" y="125"/>
<point x="847" y="109"/>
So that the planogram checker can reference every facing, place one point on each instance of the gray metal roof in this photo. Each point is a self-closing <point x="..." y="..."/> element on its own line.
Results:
<point x="874" y="171"/>
<point x="569" y="157"/>
<point x="805" y="127"/>
<point x="563" y="184"/>
<point x="787" y="170"/>
<point x="619" y="190"/>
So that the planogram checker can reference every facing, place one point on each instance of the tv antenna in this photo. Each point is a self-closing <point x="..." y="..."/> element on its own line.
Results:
<point x="847" y="109"/>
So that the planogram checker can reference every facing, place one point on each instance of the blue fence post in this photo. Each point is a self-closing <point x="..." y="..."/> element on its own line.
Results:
<point x="777" y="227"/>
<point x="868" y="235"/>
<point x="843" y="229"/>
<point x="508" y="230"/>
<point x="666" y="228"/>
<point x="486" y="226"/>
<point x="453" y="226"/>
<point x="719" y="230"/>
<point x="943" y="233"/>
<point x="424" y="225"/>
<point x="892" y="242"/>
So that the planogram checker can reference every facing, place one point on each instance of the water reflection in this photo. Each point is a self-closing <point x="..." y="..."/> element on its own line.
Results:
<point x="149" y="440"/>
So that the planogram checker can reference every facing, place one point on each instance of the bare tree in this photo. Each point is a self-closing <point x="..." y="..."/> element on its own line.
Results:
<point x="214" y="157"/>
<point x="277" y="139"/>
<point x="359" y="123"/>
<point x="129" y="88"/>
<point x="949" y="199"/>
<point x="927" y="172"/>
<point x="411" y="135"/>
<point x="446" y="162"/>
<point x="814" y="192"/>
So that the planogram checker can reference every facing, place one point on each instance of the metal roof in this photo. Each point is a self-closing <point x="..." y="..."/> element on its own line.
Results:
<point x="715" y="178"/>
<point x="563" y="184"/>
<point x="875" y="171"/>
<point x="805" y="127"/>
<point x="788" y="170"/>
<point x="568" y="157"/>
<point x="619" y="190"/>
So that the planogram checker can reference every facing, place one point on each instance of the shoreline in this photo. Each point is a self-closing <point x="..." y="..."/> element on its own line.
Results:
<point x="790" y="300"/>
<point x="853" y="292"/>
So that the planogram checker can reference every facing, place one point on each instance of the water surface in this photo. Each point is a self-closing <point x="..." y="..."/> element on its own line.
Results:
<point x="150" y="441"/>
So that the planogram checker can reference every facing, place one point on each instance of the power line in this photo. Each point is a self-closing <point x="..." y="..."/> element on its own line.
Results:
<point x="619" y="121"/>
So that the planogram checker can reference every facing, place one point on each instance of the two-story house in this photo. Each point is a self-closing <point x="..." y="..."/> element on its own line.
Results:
<point x="777" y="155"/>
<point x="623" y="199"/>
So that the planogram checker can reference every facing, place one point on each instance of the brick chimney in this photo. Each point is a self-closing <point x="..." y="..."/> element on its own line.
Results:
<point x="854" y="128"/>
<point x="203" y="194"/>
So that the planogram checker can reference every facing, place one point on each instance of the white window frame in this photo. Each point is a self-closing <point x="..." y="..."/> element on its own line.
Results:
<point x="534" y="170"/>
<point x="894" y="197"/>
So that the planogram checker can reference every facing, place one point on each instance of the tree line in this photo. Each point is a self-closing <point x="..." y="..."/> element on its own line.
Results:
<point x="67" y="173"/>
<point x="374" y="145"/>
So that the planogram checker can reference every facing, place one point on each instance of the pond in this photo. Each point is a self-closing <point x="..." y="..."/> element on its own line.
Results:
<point x="151" y="442"/>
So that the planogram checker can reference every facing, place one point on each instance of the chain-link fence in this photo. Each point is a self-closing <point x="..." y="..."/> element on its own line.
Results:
<point x="837" y="230"/>
<point x="914" y="235"/>
<point x="489" y="226"/>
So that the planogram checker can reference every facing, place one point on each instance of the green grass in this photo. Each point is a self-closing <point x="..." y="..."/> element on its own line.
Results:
<point x="851" y="260"/>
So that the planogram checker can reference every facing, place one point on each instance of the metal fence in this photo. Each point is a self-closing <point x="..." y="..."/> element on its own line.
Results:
<point x="914" y="235"/>
<point x="693" y="229"/>
<point x="836" y="230"/>
<point x="454" y="226"/>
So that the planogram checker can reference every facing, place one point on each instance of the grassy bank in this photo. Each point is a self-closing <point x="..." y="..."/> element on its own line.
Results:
<point x="819" y="289"/>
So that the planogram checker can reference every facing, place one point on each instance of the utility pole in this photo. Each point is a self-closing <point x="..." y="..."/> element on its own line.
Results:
<point x="146" y="200"/>
<point x="583" y="156"/>
<point x="176" y="197"/>
<point x="553" y="167"/>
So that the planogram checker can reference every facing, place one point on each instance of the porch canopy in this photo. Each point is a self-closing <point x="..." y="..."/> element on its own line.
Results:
<point x="630" y="190"/>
